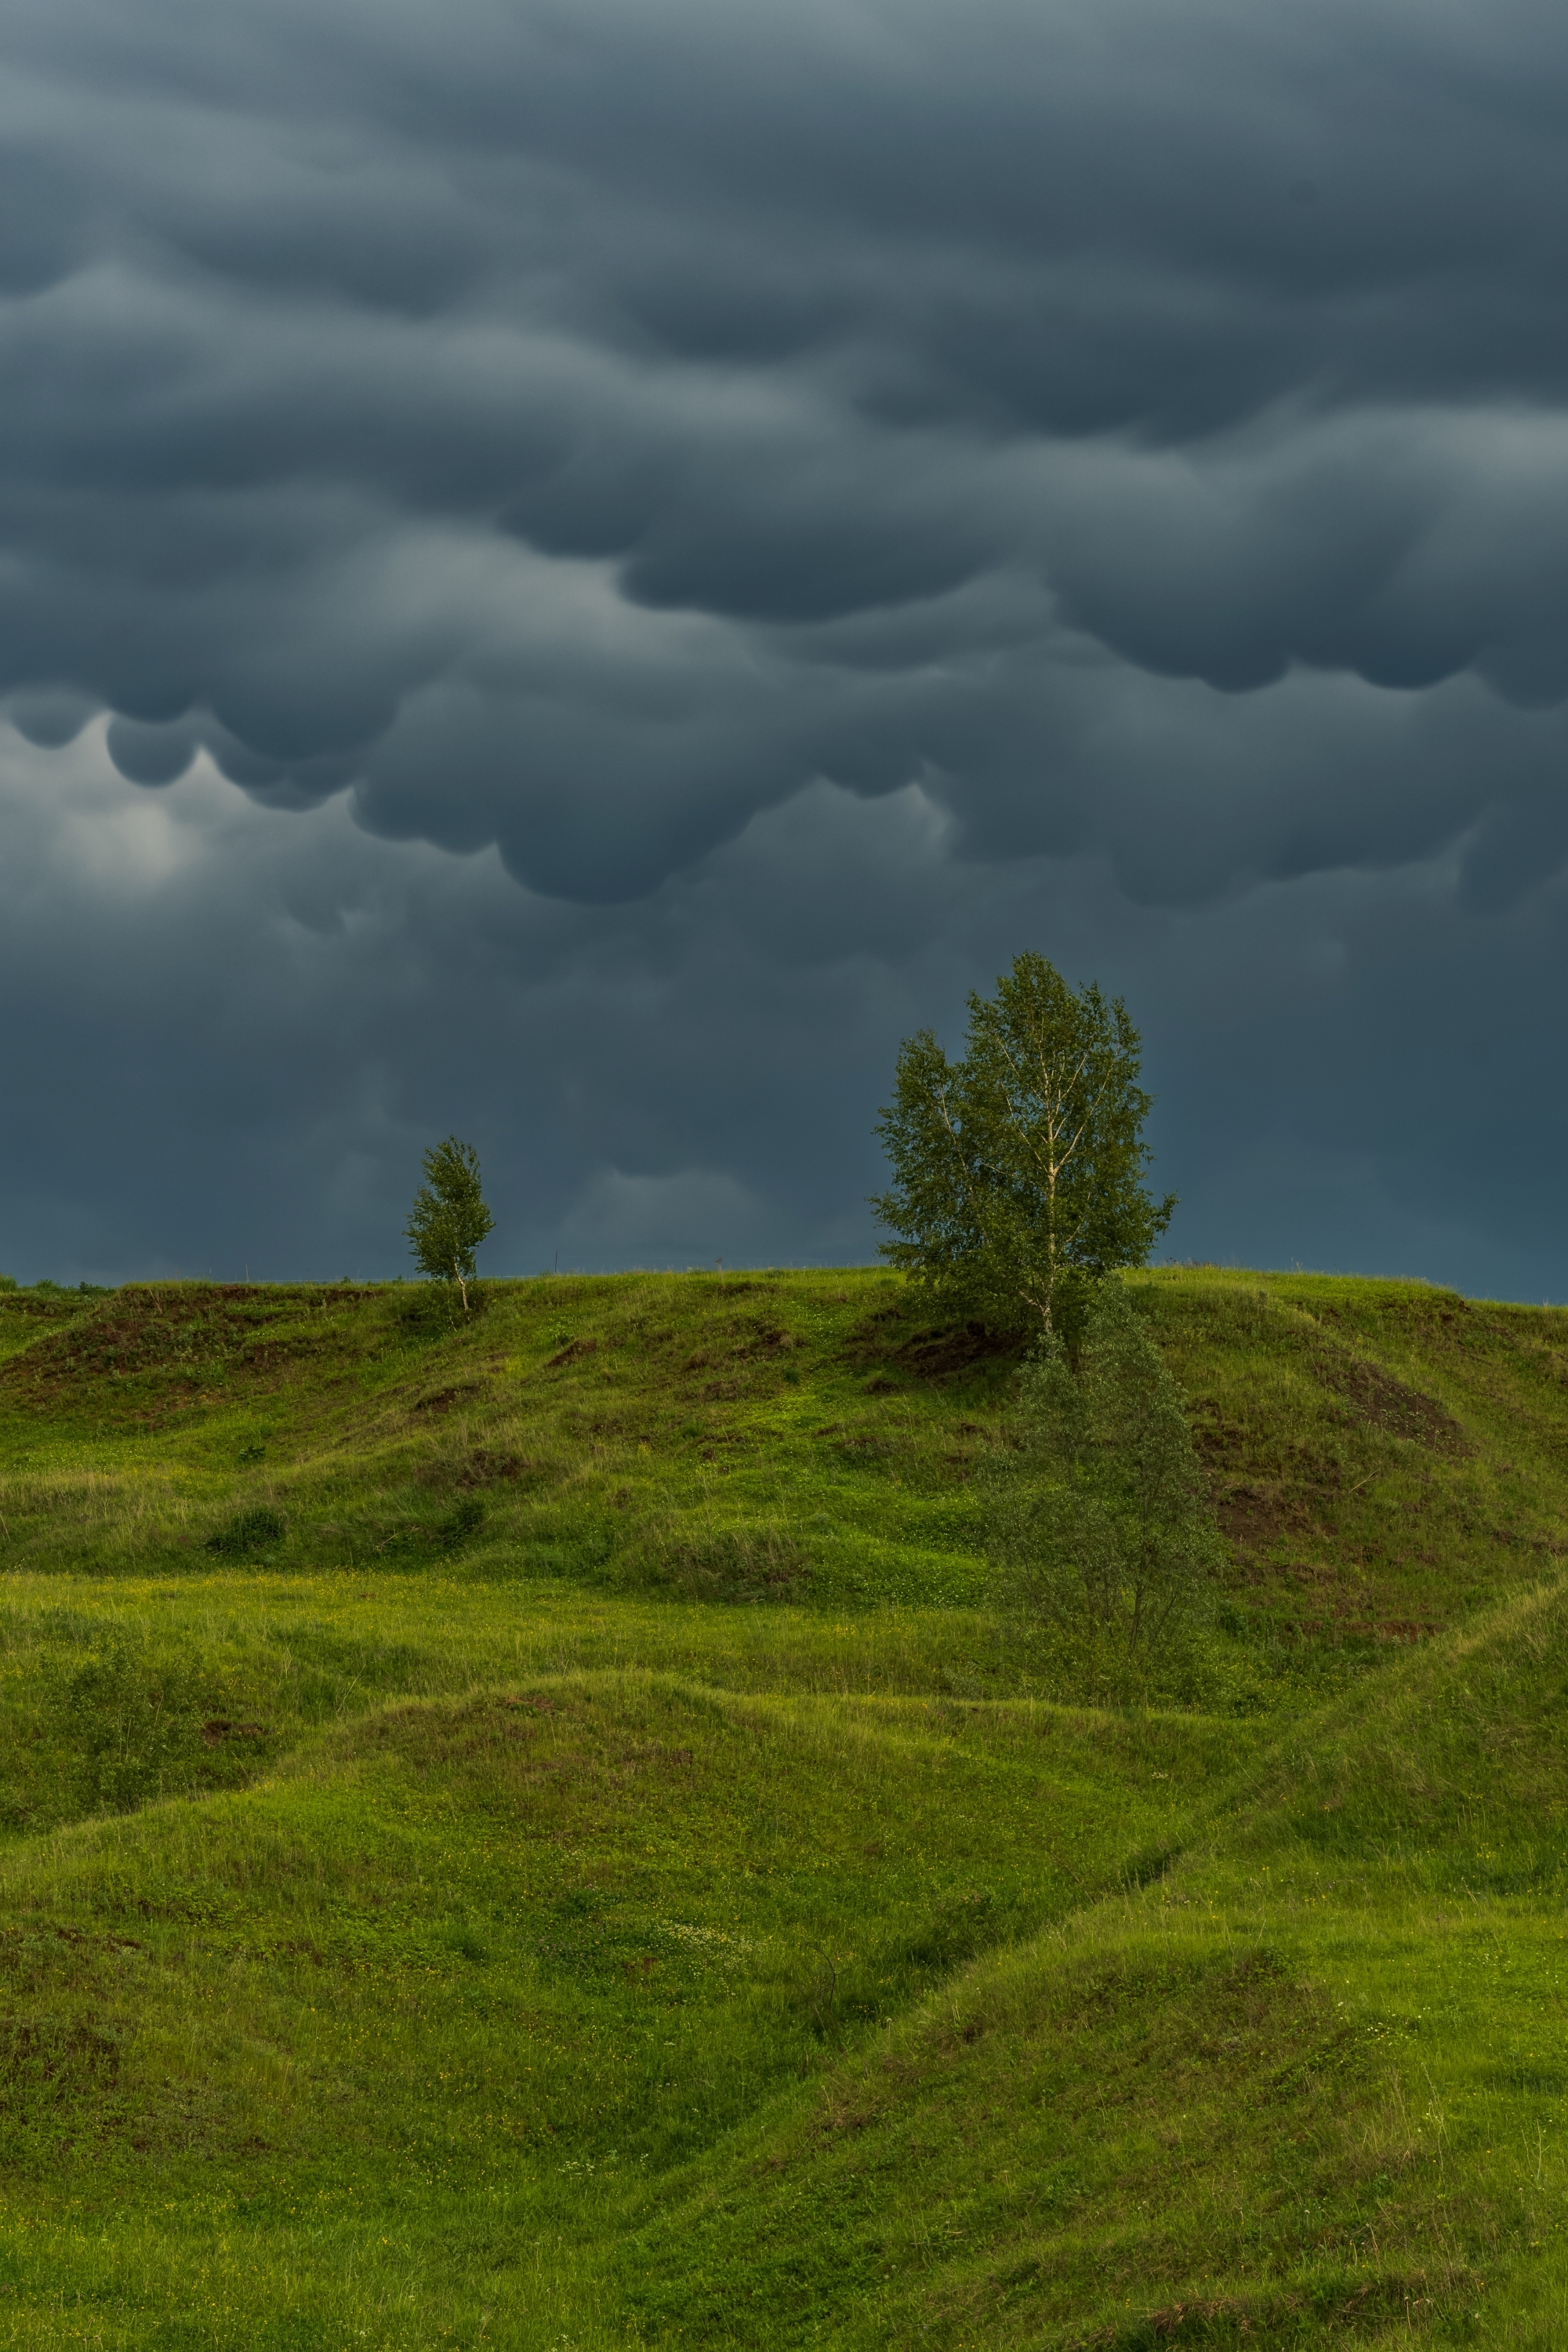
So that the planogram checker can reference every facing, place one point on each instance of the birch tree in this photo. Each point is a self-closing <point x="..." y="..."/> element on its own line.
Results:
<point x="1018" y="1169"/>
<point x="450" y="1218"/>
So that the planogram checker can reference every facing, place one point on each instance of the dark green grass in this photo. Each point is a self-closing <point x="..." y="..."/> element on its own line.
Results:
<point x="525" y="1833"/>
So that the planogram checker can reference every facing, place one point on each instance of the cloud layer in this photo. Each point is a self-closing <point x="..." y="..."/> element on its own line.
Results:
<point x="695" y="533"/>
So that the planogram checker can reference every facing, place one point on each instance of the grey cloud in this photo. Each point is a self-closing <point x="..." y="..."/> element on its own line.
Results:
<point x="1230" y="343"/>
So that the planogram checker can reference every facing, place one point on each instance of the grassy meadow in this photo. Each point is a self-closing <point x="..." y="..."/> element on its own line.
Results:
<point x="523" y="1831"/>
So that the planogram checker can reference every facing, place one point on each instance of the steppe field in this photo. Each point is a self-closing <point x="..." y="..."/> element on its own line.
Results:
<point x="526" y="1831"/>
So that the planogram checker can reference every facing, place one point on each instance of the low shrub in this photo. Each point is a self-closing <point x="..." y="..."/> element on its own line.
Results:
<point x="458" y="1525"/>
<point x="249" y="1533"/>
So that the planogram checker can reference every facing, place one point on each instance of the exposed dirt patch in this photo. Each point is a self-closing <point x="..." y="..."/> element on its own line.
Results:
<point x="1377" y="1397"/>
<point x="940" y="1353"/>
<point x="1360" y="1629"/>
<point x="714" y="1439"/>
<point x="443" y="1400"/>
<point x="738" y="1356"/>
<point x="1255" y="1512"/>
<point x="758" y="1340"/>
<point x="866" y="1446"/>
<point x="1257" y="1503"/>
<point x="573" y="1353"/>
<point x="487" y="1466"/>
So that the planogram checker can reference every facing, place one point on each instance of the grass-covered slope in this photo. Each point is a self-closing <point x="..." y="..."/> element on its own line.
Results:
<point x="527" y="1835"/>
<point x="1309" y="2083"/>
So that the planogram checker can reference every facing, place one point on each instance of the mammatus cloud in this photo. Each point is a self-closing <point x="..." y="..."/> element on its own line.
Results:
<point x="697" y="533"/>
<point x="231" y="1033"/>
<point x="577" y="430"/>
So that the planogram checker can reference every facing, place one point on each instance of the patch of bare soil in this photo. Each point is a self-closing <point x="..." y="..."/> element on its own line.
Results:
<point x="1363" y="1629"/>
<point x="485" y="1465"/>
<point x="941" y="1353"/>
<point x="738" y="1355"/>
<point x="442" y="1399"/>
<point x="490" y="1466"/>
<point x="866" y="1446"/>
<point x="572" y="1352"/>
<point x="1255" y="1514"/>
<point x="1255" y="1506"/>
<point x="1377" y="1397"/>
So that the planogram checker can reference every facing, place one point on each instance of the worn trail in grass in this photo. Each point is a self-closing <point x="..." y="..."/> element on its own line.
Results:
<point x="527" y="1835"/>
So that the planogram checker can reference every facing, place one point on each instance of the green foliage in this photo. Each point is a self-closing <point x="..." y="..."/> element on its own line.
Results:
<point x="465" y="1520"/>
<point x="450" y="1218"/>
<point x="249" y="1533"/>
<point x="1017" y="1171"/>
<point x="1100" y="1521"/>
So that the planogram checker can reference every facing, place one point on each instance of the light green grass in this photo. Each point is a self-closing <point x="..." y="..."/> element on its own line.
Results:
<point x="601" y="1876"/>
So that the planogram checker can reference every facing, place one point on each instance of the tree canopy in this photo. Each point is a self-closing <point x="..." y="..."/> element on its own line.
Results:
<point x="450" y="1218"/>
<point x="1018" y="1169"/>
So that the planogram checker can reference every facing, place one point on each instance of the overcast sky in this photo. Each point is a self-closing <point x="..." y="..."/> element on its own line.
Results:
<point x="571" y="571"/>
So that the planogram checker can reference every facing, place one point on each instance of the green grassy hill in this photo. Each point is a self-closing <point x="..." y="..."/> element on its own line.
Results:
<point x="527" y="1835"/>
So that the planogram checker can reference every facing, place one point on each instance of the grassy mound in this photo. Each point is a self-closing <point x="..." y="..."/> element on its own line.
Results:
<point x="1307" y="2084"/>
<point x="525" y="1833"/>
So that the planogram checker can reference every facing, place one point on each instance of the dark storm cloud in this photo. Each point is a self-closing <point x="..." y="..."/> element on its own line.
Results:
<point x="231" y="1036"/>
<point x="696" y="531"/>
<point x="530" y="416"/>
